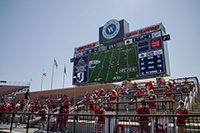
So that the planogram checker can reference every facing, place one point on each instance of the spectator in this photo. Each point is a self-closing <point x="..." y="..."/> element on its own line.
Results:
<point x="95" y="96"/>
<point x="63" y="118"/>
<point x="101" y="119"/>
<point x="66" y="101"/>
<point x="181" y="120"/>
<point x="168" y="96"/>
<point x="159" y="82"/>
<point x="32" y="111"/>
<point x="36" y="104"/>
<point x="2" y="116"/>
<point x="143" y="120"/>
<point x="152" y="105"/>
<point x="113" y="99"/>
<point x="149" y="86"/>
<point x="43" y="117"/>
<point x="173" y="82"/>
<point x="10" y="110"/>
<point x="91" y="106"/>
<point x="135" y="86"/>
<point x="2" y="99"/>
<point x="122" y="92"/>
<point x="186" y="85"/>
<point x="139" y="92"/>
<point x="102" y="94"/>
<point x="26" y="99"/>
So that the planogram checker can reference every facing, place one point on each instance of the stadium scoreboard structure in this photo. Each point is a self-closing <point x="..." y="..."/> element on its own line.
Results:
<point x="122" y="55"/>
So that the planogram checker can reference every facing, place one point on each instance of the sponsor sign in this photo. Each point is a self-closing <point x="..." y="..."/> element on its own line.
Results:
<point x="86" y="47"/>
<point x="144" y="30"/>
<point x="129" y="69"/>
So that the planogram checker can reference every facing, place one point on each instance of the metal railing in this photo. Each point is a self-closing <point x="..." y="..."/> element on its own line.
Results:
<point x="83" y="123"/>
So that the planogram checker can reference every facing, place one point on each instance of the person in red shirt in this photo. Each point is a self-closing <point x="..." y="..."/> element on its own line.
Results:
<point x="139" y="92"/>
<point x="43" y="117"/>
<point x="63" y="118"/>
<point x="95" y="96"/>
<point x="2" y="116"/>
<point x="135" y="86"/>
<point x="122" y="92"/>
<point x="152" y="105"/>
<point x="101" y="119"/>
<point x="173" y="82"/>
<point x="181" y="120"/>
<point x="185" y="81"/>
<point x="143" y="120"/>
<point x="159" y="81"/>
<point x="32" y="111"/>
<point x="113" y="99"/>
<point x="66" y="101"/>
<point x="48" y="102"/>
<point x="10" y="110"/>
<point x="168" y="96"/>
<point x="149" y="86"/>
<point x="91" y="106"/>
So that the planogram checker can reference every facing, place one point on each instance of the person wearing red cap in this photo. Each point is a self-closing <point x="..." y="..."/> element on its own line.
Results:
<point x="43" y="117"/>
<point x="101" y="119"/>
<point x="113" y="99"/>
<point x="10" y="110"/>
<point x="149" y="86"/>
<point x="152" y="105"/>
<point x="135" y="86"/>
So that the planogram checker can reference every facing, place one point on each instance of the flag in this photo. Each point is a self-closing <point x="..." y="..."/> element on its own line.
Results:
<point x="55" y="63"/>
<point x="44" y="74"/>
<point x="65" y="70"/>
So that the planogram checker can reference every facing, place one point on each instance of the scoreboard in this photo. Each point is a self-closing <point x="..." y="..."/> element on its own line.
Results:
<point x="151" y="58"/>
<point x="141" y="54"/>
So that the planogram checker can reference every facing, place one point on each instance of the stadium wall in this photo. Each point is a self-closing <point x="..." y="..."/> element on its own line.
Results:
<point x="80" y="91"/>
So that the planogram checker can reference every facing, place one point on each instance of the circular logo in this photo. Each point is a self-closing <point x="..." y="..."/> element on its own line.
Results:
<point x="155" y="43"/>
<point x="111" y="29"/>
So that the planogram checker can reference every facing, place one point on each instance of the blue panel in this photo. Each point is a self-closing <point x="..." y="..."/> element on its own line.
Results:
<point x="80" y="70"/>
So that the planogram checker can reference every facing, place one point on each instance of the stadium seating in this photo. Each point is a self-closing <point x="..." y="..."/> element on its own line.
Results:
<point x="6" y="89"/>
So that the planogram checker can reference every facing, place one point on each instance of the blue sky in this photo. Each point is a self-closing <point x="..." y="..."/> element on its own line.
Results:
<point x="33" y="33"/>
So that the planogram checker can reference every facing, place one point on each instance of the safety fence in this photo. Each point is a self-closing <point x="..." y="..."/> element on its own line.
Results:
<point x="85" y="123"/>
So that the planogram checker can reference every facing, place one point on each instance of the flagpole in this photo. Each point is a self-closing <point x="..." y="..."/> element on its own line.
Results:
<point x="63" y="80"/>
<point x="52" y="77"/>
<point x="42" y="82"/>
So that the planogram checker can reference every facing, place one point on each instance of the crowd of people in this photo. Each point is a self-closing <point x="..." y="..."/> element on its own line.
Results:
<point x="99" y="102"/>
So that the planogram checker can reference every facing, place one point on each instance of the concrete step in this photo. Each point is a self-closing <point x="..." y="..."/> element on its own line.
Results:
<point x="192" y="130"/>
<point x="197" y="99"/>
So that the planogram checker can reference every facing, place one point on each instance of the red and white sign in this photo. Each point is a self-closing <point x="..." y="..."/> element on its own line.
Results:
<point x="120" y="128"/>
<point x="155" y="43"/>
<point x="141" y="31"/>
<point x="78" y="54"/>
<point x="96" y="44"/>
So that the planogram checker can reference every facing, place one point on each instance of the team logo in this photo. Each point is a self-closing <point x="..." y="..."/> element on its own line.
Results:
<point x="80" y="77"/>
<point x="93" y="63"/>
<point x="111" y="29"/>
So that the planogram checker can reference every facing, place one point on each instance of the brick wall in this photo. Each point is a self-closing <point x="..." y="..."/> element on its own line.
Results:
<point x="80" y="91"/>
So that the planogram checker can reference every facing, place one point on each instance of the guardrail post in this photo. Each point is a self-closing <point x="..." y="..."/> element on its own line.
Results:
<point x="13" y="115"/>
<point x="174" y="124"/>
<point x="108" y="124"/>
<point x="74" y="124"/>
<point x="27" y="126"/>
<point x="117" y="104"/>
<point x="48" y="123"/>
<point x="156" y="124"/>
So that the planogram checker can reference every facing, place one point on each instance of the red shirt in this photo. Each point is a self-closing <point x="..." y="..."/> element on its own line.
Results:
<point x="15" y="110"/>
<point x="122" y="92"/>
<point x="135" y="86"/>
<point x="159" y="82"/>
<point x="10" y="109"/>
<point x="91" y="106"/>
<point x="63" y="117"/>
<point x="102" y="93"/>
<point x="66" y="102"/>
<point x="42" y="116"/>
<point x="186" y="81"/>
<point x="112" y="96"/>
<point x="168" y="91"/>
<point x="32" y="110"/>
<point x="174" y="83"/>
<point x="142" y="110"/>
<point x="139" y="93"/>
<point x="3" y="109"/>
<point x="96" y="110"/>
<point x="37" y="102"/>
<point x="86" y="95"/>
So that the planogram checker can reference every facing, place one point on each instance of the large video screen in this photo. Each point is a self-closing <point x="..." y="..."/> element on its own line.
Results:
<point x="140" y="56"/>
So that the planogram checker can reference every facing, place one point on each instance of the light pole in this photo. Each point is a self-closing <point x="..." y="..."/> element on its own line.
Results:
<point x="74" y="78"/>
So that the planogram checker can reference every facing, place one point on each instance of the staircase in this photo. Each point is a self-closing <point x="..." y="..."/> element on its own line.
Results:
<point x="193" y="123"/>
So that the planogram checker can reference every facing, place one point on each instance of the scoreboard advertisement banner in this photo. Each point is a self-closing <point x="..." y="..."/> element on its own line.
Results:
<point x="144" y="54"/>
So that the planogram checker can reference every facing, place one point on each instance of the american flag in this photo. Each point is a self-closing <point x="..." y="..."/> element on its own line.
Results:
<point x="65" y="72"/>
<point x="55" y="63"/>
